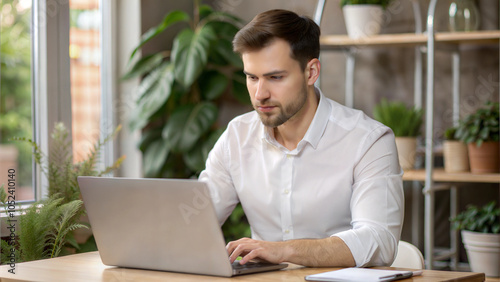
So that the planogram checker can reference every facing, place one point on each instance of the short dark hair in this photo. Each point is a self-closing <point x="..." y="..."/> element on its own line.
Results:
<point x="300" y="32"/>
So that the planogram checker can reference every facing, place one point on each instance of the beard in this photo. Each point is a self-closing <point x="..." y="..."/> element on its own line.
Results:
<point x="285" y="112"/>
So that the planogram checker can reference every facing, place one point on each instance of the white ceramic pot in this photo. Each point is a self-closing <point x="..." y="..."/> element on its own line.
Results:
<point x="363" y="20"/>
<point x="483" y="251"/>
<point x="407" y="151"/>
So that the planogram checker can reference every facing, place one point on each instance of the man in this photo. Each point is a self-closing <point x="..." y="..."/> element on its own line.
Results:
<point x="320" y="183"/>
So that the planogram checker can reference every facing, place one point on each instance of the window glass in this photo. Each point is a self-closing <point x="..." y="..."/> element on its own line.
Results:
<point x="15" y="97"/>
<point x="85" y="54"/>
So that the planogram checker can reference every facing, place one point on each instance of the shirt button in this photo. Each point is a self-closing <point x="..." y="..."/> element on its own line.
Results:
<point x="287" y="231"/>
<point x="286" y="191"/>
<point x="289" y="156"/>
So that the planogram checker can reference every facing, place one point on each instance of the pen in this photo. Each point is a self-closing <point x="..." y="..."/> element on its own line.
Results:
<point x="391" y="276"/>
<point x="399" y="275"/>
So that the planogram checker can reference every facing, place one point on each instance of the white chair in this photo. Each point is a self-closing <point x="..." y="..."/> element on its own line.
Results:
<point x="408" y="256"/>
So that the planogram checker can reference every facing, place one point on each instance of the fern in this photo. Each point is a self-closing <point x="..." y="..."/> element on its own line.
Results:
<point x="46" y="226"/>
<point x="67" y="214"/>
<point x="43" y="228"/>
<point x="35" y="228"/>
<point x="5" y="247"/>
<point x="6" y="252"/>
<point x="3" y="198"/>
<point x="59" y="168"/>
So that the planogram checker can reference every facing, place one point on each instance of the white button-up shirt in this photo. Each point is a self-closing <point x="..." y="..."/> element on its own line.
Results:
<point x="343" y="179"/>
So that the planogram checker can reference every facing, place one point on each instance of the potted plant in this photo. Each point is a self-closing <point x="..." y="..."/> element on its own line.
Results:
<point x="405" y="122"/>
<point x="363" y="17"/>
<point x="480" y="131"/>
<point x="51" y="227"/>
<point x="42" y="229"/>
<point x="181" y="92"/>
<point x="481" y="237"/>
<point x="455" y="154"/>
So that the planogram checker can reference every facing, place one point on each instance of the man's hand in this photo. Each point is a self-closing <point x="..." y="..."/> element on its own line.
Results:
<point x="331" y="251"/>
<point x="248" y="249"/>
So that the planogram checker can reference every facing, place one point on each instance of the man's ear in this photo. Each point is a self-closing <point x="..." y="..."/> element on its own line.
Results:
<point x="312" y="71"/>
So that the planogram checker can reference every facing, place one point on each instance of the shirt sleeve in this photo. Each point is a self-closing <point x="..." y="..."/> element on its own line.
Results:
<point x="217" y="176"/>
<point x="377" y="202"/>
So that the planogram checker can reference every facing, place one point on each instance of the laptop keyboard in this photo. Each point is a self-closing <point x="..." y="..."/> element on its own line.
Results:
<point x="249" y="265"/>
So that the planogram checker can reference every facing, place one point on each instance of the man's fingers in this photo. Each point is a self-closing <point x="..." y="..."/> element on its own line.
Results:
<point x="249" y="256"/>
<point x="250" y="249"/>
<point x="242" y="248"/>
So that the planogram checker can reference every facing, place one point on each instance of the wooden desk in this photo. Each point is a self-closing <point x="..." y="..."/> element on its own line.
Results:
<point x="88" y="267"/>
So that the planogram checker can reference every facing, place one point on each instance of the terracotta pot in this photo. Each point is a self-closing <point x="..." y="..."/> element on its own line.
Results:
<point x="407" y="150"/>
<point x="363" y="20"/>
<point x="484" y="159"/>
<point x="483" y="252"/>
<point x="456" y="158"/>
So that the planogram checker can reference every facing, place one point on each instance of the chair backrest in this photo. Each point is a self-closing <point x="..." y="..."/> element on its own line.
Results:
<point x="408" y="256"/>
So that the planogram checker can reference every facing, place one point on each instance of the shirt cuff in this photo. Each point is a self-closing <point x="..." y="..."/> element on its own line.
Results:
<point x="363" y="250"/>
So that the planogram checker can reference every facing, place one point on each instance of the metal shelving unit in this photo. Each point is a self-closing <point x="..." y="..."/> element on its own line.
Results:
<point x="423" y="43"/>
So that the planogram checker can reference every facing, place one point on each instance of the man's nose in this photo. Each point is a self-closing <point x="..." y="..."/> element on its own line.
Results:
<point x="262" y="92"/>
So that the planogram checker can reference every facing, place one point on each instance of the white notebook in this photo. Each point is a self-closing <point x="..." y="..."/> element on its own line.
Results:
<point x="362" y="274"/>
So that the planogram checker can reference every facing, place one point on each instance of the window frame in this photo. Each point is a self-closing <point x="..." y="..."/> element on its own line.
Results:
<point x="51" y="95"/>
<point x="51" y="84"/>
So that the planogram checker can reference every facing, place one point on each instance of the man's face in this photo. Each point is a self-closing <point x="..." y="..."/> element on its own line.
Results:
<point x="276" y="83"/>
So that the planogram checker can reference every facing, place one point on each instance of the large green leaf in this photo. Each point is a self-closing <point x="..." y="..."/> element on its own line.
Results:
<point x="144" y="65"/>
<point x="196" y="158"/>
<point x="225" y="49"/>
<point x="154" y="90"/>
<point x="150" y="81"/>
<point x="239" y="89"/>
<point x="205" y="11"/>
<point x="212" y="84"/>
<point x="218" y="16"/>
<point x="190" y="52"/>
<point x="225" y="30"/>
<point x="216" y="59"/>
<point x="187" y="124"/>
<point x="154" y="157"/>
<point x="168" y="20"/>
<point x="149" y="136"/>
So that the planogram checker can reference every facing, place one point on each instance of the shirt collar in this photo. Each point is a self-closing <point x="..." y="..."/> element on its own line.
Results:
<point x="318" y="125"/>
<point x="315" y="130"/>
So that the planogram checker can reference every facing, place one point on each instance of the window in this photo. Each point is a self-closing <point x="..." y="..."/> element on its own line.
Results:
<point x="85" y="67"/>
<point x="56" y="37"/>
<point x="15" y="96"/>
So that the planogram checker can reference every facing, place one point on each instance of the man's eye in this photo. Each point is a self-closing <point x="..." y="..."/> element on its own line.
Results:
<point x="252" y="77"/>
<point x="276" y="77"/>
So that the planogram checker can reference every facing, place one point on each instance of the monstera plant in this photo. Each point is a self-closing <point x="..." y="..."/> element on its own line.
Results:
<point x="181" y="90"/>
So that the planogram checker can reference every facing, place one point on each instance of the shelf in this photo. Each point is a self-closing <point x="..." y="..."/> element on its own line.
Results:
<point x="441" y="176"/>
<point x="451" y="43"/>
<point x="410" y="39"/>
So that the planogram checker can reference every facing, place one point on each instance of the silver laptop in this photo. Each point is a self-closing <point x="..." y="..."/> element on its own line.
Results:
<point x="158" y="224"/>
